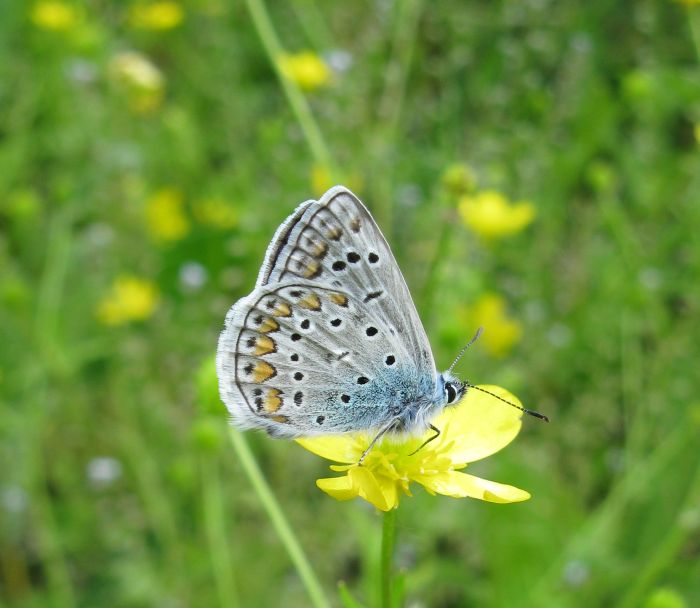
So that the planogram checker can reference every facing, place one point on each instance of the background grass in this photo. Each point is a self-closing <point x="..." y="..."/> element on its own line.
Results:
<point x="587" y="109"/>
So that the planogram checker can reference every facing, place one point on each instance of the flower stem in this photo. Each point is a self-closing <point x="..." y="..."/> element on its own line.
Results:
<point x="433" y="275"/>
<point x="216" y="532"/>
<point x="297" y="100"/>
<point x="694" y="22"/>
<point x="388" y="543"/>
<point x="279" y="522"/>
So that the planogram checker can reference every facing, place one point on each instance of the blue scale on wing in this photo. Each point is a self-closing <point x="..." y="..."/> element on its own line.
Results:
<point x="310" y="360"/>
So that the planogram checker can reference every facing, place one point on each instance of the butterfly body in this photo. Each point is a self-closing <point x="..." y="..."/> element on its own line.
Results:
<point x="329" y="340"/>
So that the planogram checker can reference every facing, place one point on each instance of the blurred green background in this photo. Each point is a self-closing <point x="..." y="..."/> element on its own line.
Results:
<point x="536" y="168"/>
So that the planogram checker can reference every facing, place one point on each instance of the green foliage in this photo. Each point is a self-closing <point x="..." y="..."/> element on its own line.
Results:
<point x="118" y="485"/>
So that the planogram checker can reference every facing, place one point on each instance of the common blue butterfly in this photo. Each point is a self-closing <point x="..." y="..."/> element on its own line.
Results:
<point x="329" y="341"/>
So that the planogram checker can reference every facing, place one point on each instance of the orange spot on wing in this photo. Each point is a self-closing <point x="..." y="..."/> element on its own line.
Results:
<point x="312" y="269"/>
<point x="264" y="345"/>
<point x="263" y="371"/>
<point x="339" y="299"/>
<point x="269" y="325"/>
<point x="310" y="302"/>
<point x="282" y="309"/>
<point x="272" y="401"/>
<point x="334" y="233"/>
<point x="320" y="250"/>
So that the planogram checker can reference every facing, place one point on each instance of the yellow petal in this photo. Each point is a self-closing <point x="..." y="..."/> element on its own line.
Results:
<point x="340" y="488"/>
<point x="459" y="485"/>
<point x="370" y="489"/>
<point x="480" y="425"/>
<point x="338" y="448"/>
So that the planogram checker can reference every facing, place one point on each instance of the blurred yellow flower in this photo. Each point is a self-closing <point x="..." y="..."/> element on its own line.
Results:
<point x="130" y="299"/>
<point x="491" y="215"/>
<point x="473" y="429"/>
<point x="216" y="212"/>
<point x="501" y="332"/>
<point x="55" y="15"/>
<point x="306" y="69"/>
<point x="458" y="179"/>
<point x="322" y="180"/>
<point x="165" y="215"/>
<point x="142" y="81"/>
<point x="163" y="15"/>
<point x="665" y="597"/>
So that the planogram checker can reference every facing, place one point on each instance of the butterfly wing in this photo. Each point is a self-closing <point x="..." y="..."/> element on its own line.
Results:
<point x="335" y="241"/>
<point x="299" y="358"/>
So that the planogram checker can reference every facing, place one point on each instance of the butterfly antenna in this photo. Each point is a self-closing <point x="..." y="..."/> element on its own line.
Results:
<point x="464" y="348"/>
<point x="517" y="407"/>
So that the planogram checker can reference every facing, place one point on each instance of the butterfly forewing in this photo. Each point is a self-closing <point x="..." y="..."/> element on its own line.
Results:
<point x="336" y="242"/>
<point x="304" y="359"/>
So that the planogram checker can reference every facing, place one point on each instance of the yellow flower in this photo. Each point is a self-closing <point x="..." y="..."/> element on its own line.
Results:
<point x="215" y="212"/>
<point x="54" y="15"/>
<point x="130" y="299"/>
<point x="458" y="179"/>
<point x="306" y="69"/>
<point x="156" y="15"/>
<point x="501" y="332"/>
<point x="477" y="427"/>
<point x="142" y="81"/>
<point x="491" y="215"/>
<point x="165" y="215"/>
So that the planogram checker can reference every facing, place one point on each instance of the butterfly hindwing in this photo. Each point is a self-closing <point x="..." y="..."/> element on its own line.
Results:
<point x="336" y="242"/>
<point x="300" y="358"/>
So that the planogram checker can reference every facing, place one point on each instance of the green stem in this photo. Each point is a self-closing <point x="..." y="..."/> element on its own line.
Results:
<point x="51" y="360"/>
<point x="402" y="49"/>
<point x="390" y="106"/>
<point x="297" y="101"/>
<point x="215" y="524"/>
<point x="52" y="556"/>
<point x="601" y="524"/>
<point x="432" y="278"/>
<point x="281" y="525"/>
<point x="388" y="543"/>
<point x="666" y="551"/>
<point x="694" y="21"/>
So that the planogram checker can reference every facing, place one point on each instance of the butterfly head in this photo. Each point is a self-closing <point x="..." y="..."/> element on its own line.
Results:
<point x="452" y="387"/>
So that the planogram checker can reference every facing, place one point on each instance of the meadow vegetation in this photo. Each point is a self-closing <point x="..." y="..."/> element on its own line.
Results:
<point x="535" y="166"/>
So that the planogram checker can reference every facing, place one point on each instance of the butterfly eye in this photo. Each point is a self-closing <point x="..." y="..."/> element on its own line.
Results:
<point x="451" y="393"/>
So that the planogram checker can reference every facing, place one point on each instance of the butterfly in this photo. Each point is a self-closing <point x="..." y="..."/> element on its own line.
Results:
<point x="329" y="341"/>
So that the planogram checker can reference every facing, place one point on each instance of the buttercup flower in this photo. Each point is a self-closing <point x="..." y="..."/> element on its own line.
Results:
<point x="477" y="427"/>
<point x="130" y="299"/>
<point x="491" y="215"/>
<point x="502" y="332"/>
<point x="307" y="69"/>
<point x="458" y="179"/>
<point x="55" y="15"/>
<point x="142" y="81"/>
<point x="216" y="212"/>
<point x="162" y="15"/>
<point x="165" y="215"/>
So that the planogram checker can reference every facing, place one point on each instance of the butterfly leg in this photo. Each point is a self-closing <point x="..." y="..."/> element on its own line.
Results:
<point x="379" y="435"/>
<point x="428" y="440"/>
